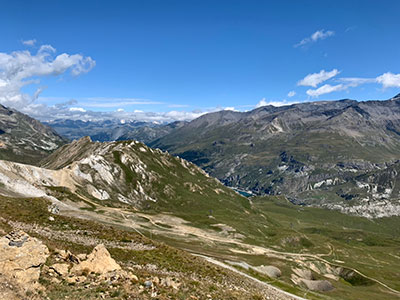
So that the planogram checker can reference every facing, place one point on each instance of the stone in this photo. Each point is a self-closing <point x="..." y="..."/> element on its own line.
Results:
<point x="21" y="257"/>
<point x="304" y="273"/>
<point x="98" y="261"/>
<point x="148" y="283"/>
<point x="133" y="277"/>
<point x="170" y="282"/>
<point x="66" y="256"/>
<point x="75" y="279"/>
<point x="55" y="280"/>
<point x="318" y="285"/>
<point x="270" y="271"/>
<point x="82" y="256"/>
<point x="60" y="269"/>
<point x="53" y="209"/>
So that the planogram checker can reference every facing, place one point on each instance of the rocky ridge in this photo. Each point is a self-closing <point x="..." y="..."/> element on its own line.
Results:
<point x="315" y="153"/>
<point x="24" y="139"/>
<point x="126" y="173"/>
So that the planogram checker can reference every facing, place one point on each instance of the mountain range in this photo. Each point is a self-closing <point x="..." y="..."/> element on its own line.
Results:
<point x="134" y="199"/>
<point x="327" y="153"/>
<point x="111" y="130"/>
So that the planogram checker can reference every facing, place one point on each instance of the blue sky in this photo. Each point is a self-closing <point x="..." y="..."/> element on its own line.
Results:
<point x="196" y="56"/>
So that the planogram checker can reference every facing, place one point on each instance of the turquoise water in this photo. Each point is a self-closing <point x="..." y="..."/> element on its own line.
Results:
<point x="243" y="193"/>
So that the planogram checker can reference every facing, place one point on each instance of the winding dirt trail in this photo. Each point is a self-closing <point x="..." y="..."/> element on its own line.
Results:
<point x="271" y="288"/>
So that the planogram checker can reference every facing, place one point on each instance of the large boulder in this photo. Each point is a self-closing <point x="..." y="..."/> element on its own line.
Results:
<point x="270" y="271"/>
<point x="99" y="261"/>
<point x="21" y="257"/>
<point x="318" y="285"/>
<point x="303" y="273"/>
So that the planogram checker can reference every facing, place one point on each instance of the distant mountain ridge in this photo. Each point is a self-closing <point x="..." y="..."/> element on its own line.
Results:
<point x="310" y="152"/>
<point x="24" y="139"/>
<point x="112" y="130"/>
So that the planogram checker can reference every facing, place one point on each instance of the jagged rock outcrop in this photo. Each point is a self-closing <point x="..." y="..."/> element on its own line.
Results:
<point x="21" y="257"/>
<point x="99" y="262"/>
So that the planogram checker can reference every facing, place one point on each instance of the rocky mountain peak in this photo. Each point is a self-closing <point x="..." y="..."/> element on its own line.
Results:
<point x="397" y="97"/>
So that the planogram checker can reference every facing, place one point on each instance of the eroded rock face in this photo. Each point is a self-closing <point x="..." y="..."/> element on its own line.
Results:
<point x="99" y="261"/>
<point x="21" y="257"/>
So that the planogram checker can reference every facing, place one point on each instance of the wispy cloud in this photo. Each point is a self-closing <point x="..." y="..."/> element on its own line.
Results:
<point x="350" y="28"/>
<point x="326" y="89"/>
<point x="315" y="79"/>
<point x="316" y="36"/>
<point x="291" y="94"/>
<point x="103" y="102"/>
<point x="178" y="105"/>
<point x="80" y="109"/>
<point x="356" y="81"/>
<point x="387" y="80"/>
<point x="29" y="42"/>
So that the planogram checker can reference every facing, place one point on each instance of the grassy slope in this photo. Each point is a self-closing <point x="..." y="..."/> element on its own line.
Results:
<point x="358" y="242"/>
<point x="343" y="240"/>
<point x="273" y="223"/>
<point x="198" y="277"/>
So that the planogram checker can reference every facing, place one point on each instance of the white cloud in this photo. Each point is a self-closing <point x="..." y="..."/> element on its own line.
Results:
<point x="21" y="68"/>
<point x="356" y="81"/>
<point x="183" y="115"/>
<point x="107" y="102"/>
<point x="316" y="78"/>
<point x="178" y="105"/>
<point x="80" y="109"/>
<point x="389" y="80"/>
<point x="326" y="89"/>
<point x="264" y="102"/>
<point x="120" y="109"/>
<point x="316" y="36"/>
<point x="29" y="42"/>
<point x="291" y="94"/>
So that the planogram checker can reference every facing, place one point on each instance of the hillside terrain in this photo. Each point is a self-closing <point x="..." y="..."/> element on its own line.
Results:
<point x="24" y="139"/>
<point x="331" y="153"/>
<point x="138" y="191"/>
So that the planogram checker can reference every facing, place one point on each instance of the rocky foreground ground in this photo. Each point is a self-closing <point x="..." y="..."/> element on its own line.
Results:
<point x="43" y="262"/>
